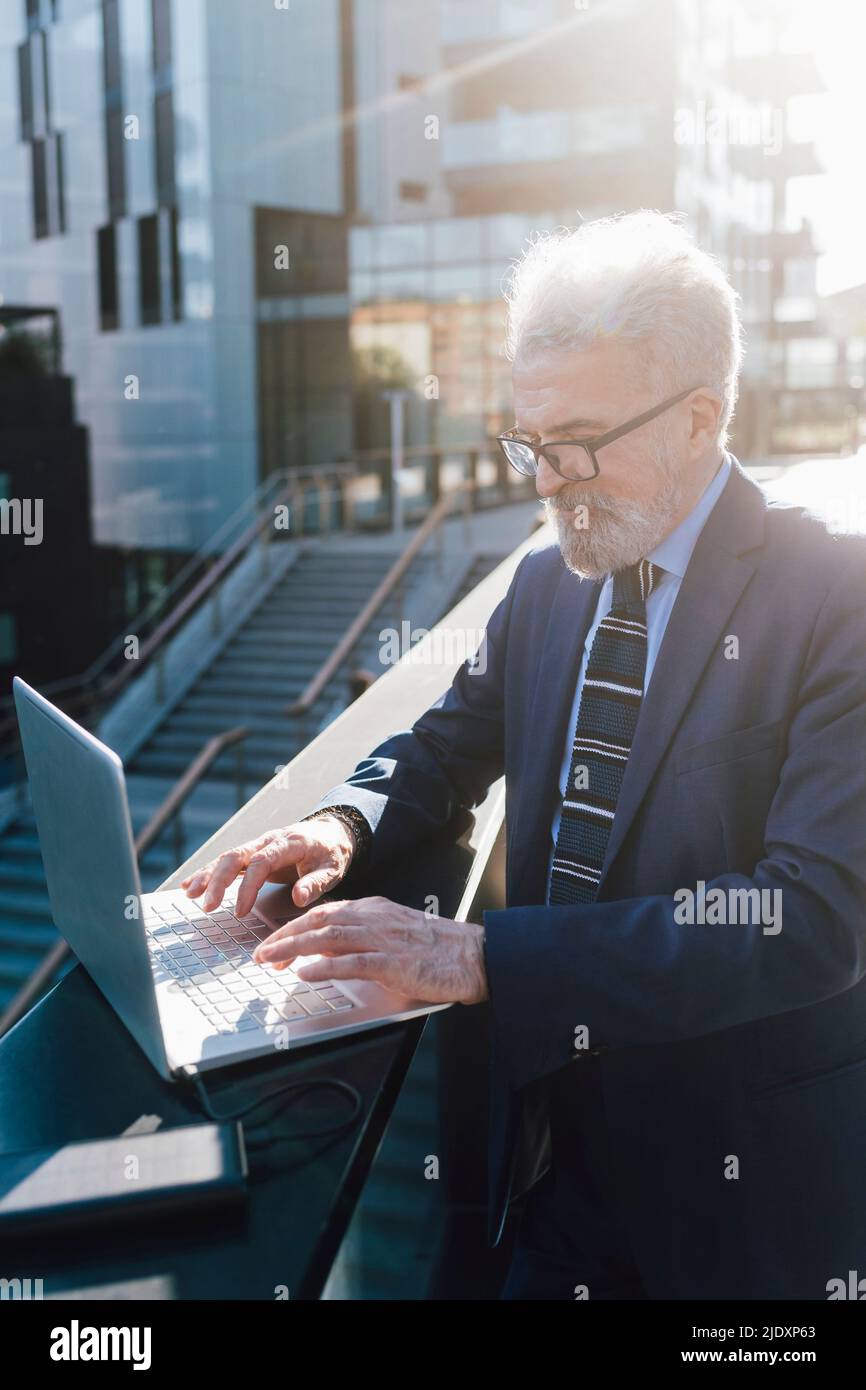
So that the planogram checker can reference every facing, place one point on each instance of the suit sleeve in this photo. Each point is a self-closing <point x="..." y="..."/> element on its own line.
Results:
<point x="633" y="975"/>
<point x="412" y="784"/>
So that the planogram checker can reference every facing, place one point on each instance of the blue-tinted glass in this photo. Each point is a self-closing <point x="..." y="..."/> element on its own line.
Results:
<point x="402" y="243"/>
<point x="456" y="239"/>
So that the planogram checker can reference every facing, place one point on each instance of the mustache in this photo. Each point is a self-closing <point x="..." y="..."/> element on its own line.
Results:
<point x="601" y="501"/>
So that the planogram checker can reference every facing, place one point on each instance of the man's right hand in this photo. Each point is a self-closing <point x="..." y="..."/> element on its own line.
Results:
<point x="312" y="854"/>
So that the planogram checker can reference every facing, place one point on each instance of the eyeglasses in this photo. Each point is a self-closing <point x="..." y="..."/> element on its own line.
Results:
<point x="574" y="459"/>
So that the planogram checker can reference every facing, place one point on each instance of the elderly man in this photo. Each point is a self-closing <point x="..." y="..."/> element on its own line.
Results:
<point x="676" y="693"/>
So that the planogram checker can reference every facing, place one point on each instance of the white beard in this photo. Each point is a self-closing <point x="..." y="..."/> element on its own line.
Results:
<point x="613" y="534"/>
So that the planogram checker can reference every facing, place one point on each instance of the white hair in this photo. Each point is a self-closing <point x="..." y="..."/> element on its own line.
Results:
<point x="639" y="278"/>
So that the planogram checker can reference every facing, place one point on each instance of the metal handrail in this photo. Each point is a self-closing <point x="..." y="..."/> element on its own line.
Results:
<point x="195" y="561"/>
<point x="141" y="619"/>
<point x="191" y="600"/>
<point x="187" y="783"/>
<point x="293" y="480"/>
<point x="346" y="643"/>
<point x="116" y="683"/>
<point x="168" y="808"/>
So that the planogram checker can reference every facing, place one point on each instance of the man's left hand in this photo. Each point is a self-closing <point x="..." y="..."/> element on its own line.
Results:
<point x="429" y="958"/>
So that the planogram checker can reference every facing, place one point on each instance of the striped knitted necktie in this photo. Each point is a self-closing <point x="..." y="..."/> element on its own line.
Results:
<point x="609" y="707"/>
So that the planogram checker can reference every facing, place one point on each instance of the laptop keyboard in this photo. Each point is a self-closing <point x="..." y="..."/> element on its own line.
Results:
<point x="209" y="955"/>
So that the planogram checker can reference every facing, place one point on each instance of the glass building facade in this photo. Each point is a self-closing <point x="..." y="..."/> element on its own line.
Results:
<point x="252" y="222"/>
<point x="137" y="140"/>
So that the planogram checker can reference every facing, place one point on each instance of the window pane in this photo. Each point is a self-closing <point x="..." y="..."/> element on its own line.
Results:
<point x="148" y="268"/>
<point x="60" y="180"/>
<point x="176" y="287"/>
<point x="107" y="258"/>
<point x="161" y="10"/>
<point x="402" y="243"/>
<point x="115" y="167"/>
<point x="111" y="48"/>
<point x="163" y="106"/>
<point x="25" y="91"/>
<point x="40" y="189"/>
<point x="456" y="239"/>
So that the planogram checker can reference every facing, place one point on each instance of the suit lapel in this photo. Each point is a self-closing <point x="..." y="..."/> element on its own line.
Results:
<point x="711" y="588"/>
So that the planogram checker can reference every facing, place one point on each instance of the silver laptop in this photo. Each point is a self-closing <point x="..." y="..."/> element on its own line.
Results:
<point x="182" y="980"/>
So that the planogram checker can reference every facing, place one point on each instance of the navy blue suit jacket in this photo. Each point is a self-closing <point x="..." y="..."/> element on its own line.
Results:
<point x="733" y="1060"/>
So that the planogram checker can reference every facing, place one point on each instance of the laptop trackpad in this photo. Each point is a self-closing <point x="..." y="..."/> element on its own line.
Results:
<point x="275" y="906"/>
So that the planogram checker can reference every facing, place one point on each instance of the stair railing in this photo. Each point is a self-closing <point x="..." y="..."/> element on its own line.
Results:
<point x="391" y="582"/>
<point x="87" y="697"/>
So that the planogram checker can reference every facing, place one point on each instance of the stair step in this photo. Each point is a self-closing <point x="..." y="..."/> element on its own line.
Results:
<point x="188" y="745"/>
<point x="227" y="709"/>
<point x="266" y="701"/>
<point x="20" y="872"/>
<point x="24" y="903"/>
<point x="265" y="674"/>
<point x="342" y="607"/>
<point x="278" y="648"/>
<point x="19" y="843"/>
<point x="247" y="677"/>
<point x="257" y="773"/>
<point x="33" y="937"/>
<point x="353" y="589"/>
<point x="303" y="644"/>
<point x="199" y="729"/>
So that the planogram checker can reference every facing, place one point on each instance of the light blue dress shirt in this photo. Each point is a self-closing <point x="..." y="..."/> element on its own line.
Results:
<point x="673" y="554"/>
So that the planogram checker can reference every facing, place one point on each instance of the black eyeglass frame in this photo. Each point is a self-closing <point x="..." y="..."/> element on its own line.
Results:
<point x="590" y="445"/>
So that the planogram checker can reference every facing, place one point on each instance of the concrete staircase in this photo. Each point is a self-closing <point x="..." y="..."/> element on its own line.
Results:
<point x="481" y="566"/>
<point x="268" y="663"/>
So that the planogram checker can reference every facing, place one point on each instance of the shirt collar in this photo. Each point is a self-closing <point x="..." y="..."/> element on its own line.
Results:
<point x="674" y="552"/>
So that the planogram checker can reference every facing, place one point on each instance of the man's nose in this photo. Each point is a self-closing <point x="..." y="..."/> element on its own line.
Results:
<point x="547" y="481"/>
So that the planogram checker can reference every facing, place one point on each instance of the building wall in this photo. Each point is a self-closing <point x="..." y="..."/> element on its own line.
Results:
<point x="253" y="102"/>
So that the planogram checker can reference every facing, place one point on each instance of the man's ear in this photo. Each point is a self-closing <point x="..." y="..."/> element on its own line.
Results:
<point x="706" y="408"/>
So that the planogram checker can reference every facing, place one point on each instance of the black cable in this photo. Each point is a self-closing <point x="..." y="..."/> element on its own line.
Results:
<point x="332" y="1083"/>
